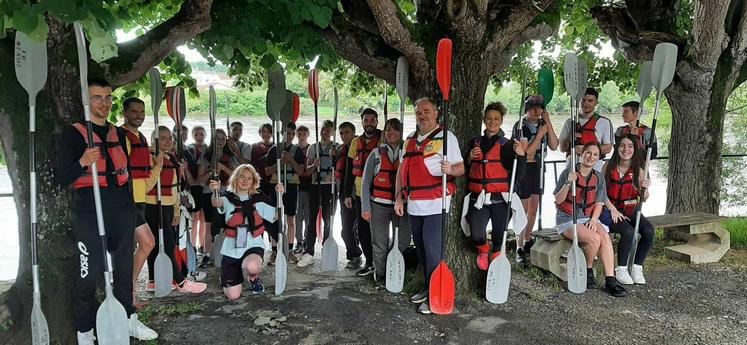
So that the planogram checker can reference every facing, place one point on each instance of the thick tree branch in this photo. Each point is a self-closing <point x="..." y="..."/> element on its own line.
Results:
<point x="393" y="32"/>
<point x="359" y="14"/>
<point x="708" y="34"/>
<point x="514" y="25"/>
<point x="365" y="50"/>
<point x="144" y="52"/>
<point x="501" y="59"/>
<point x="427" y="11"/>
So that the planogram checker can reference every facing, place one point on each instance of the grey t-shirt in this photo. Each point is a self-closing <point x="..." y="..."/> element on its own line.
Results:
<point x="603" y="131"/>
<point x="601" y="191"/>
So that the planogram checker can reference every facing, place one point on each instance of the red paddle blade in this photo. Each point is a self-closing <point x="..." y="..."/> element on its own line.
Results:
<point x="314" y="85"/>
<point x="169" y="100"/>
<point x="319" y="226"/>
<point x="297" y="107"/>
<point x="441" y="290"/>
<point x="443" y="67"/>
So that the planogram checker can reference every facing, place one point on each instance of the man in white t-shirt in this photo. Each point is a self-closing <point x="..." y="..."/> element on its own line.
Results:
<point x="590" y="127"/>
<point x="419" y="180"/>
<point x="240" y="149"/>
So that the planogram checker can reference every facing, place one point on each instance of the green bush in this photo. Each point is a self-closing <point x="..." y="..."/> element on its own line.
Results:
<point x="737" y="228"/>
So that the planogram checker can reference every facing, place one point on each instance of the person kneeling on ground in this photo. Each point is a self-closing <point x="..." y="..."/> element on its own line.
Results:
<point x="245" y="209"/>
<point x="591" y="194"/>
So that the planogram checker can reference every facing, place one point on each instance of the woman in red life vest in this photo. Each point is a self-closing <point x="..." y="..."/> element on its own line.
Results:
<point x="226" y="162"/>
<point x="625" y="178"/>
<point x="246" y="209"/>
<point x="169" y="210"/>
<point x="377" y="197"/>
<point x="198" y="148"/>
<point x="490" y="163"/>
<point x="592" y="234"/>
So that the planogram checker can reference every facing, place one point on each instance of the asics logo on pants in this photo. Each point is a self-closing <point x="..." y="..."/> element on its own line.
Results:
<point x="83" y="259"/>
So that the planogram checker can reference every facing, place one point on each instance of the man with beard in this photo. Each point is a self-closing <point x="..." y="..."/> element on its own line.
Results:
<point x="360" y="148"/>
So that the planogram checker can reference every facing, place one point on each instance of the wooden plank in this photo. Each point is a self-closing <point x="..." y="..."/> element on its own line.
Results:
<point x="683" y="219"/>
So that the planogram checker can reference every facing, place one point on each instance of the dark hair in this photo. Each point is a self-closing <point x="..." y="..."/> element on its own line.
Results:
<point x="211" y="147"/>
<point x="497" y="106"/>
<point x="633" y="105"/>
<point x="347" y="124"/>
<point x="184" y="128"/>
<point x="328" y="123"/>
<point x="290" y="125"/>
<point x="126" y="103"/>
<point x="592" y="92"/>
<point x="98" y="82"/>
<point x="635" y="161"/>
<point x="236" y="123"/>
<point x="265" y="126"/>
<point x="394" y="123"/>
<point x="198" y="127"/>
<point x="302" y="128"/>
<point x="369" y="111"/>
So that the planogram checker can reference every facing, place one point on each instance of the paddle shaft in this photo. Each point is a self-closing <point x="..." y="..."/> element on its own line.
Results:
<point x="444" y="187"/>
<point x="572" y="148"/>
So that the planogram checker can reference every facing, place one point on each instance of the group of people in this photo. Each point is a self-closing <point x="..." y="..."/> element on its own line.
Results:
<point x="229" y="189"/>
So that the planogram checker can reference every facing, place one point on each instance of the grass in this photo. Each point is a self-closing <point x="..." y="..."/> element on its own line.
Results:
<point x="146" y="314"/>
<point x="737" y="228"/>
<point x="541" y="276"/>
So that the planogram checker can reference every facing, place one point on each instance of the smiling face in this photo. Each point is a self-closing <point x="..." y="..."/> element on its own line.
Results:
<point x="625" y="149"/>
<point x="135" y="114"/>
<point x="327" y="132"/>
<point x="244" y="180"/>
<point x="425" y="115"/>
<point x="266" y="134"/>
<point x="101" y="103"/>
<point x="198" y="136"/>
<point x="370" y="123"/>
<point x="220" y="140"/>
<point x="290" y="134"/>
<point x="588" y="104"/>
<point x="165" y="141"/>
<point x="392" y="136"/>
<point x="590" y="156"/>
<point x="493" y="120"/>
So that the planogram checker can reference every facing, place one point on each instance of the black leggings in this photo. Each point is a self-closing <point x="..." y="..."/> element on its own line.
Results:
<point x="169" y="239"/>
<point x="478" y="222"/>
<point x="626" y="230"/>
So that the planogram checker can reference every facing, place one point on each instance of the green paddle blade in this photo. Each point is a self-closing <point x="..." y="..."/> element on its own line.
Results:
<point x="156" y="90"/>
<point x="31" y="64"/>
<point x="276" y="92"/>
<point x="213" y="106"/>
<point x="545" y="85"/>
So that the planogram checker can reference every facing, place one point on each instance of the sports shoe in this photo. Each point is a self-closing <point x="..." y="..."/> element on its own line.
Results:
<point x="419" y="297"/>
<point x="292" y="258"/>
<point x="368" y="270"/>
<point x="637" y="275"/>
<point x="206" y="262"/>
<point x="86" y="338"/>
<point x="192" y="287"/>
<point x="197" y="276"/>
<point x="521" y="256"/>
<point x="257" y="286"/>
<point x="306" y="260"/>
<point x="621" y="273"/>
<point x="150" y="286"/>
<point x="612" y="287"/>
<point x="299" y="248"/>
<point x="140" y="331"/>
<point x="482" y="256"/>
<point x="494" y="255"/>
<point x="354" y="263"/>
<point x="271" y="261"/>
<point x="424" y="308"/>
<point x="591" y="282"/>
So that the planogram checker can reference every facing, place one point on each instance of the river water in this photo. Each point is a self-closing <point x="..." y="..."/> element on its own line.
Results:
<point x="9" y="246"/>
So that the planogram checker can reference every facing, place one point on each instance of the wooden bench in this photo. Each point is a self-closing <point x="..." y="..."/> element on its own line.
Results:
<point x="707" y="240"/>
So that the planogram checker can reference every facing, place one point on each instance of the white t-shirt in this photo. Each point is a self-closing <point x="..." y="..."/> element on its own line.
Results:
<point x="267" y="213"/>
<point x="433" y="163"/>
<point x="604" y="133"/>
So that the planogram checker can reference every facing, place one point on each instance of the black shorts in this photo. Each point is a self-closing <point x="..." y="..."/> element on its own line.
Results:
<point x="196" y="192"/>
<point x="530" y="183"/>
<point x="290" y="199"/>
<point x="140" y="210"/>
<point x="231" y="272"/>
<point x="207" y="206"/>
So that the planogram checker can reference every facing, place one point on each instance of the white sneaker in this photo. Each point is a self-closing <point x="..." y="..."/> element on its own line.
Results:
<point x="306" y="260"/>
<point x="197" y="276"/>
<point x="140" y="331"/>
<point x="425" y="308"/>
<point x="622" y="275"/>
<point x="638" y="275"/>
<point x="86" y="338"/>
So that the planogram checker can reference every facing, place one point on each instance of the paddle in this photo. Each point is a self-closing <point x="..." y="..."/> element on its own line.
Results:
<point x="662" y="73"/>
<point x="314" y="95"/>
<point x="576" y="263"/>
<point x="498" y="281"/>
<point x="31" y="72"/>
<point x="112" y="324"/>
<point x="275" y="100"/>
<point x="386" y="105"/>
<point x="441" y="292"/>
<point x="395" y="262"/>
<point x="215" y="253"/>
<point x="546" y="88"/>
<point x="329" y="245"/>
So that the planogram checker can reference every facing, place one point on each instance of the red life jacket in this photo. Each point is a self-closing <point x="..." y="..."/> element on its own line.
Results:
<point x="239" y="218"/>
<point x="168" y="171"/>
<point x="496" y="177"/>
<point x="341" y="163"/>
<point x="364" y="149"/>
<point x="140" y="166"/>
<point x="224" y="159"/>
<point x="622" y="192"/>
<point x="113" y="150"/>
<point x="588" y="131"/>
<point x="586" y="193"/>
<point x="259" y="160"/>
<point x="417" y="181"/>
<point x="384" y="182"/>
<point x="641" y="129"/>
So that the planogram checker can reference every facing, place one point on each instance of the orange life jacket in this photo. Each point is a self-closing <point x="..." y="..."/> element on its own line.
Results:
<point x="113" y="150"/>
<point x="586" y="193"/>
<point x="641" y="129"/>
<point x="417" y="181"/>
<point x="588" y="131"/>
<point x="244" y="215"/>
<point x="364" y="149"/>
<point x="168" y="171"/>
<point x="622" y="192"/>
<point x="384" y="182"/>
<point x="495" y="178"/>
<point x="140" y="165"/>
<point x="341" y="163"/>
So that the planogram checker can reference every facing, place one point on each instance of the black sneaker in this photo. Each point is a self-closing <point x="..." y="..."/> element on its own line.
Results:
<point x="521" y="257"/>
<point x="368" y="270"/>
<point x="590" y="281"/>
<point x="354" y="263"/>
<point x="206" y="262"/>
<point x="612" y="287"/>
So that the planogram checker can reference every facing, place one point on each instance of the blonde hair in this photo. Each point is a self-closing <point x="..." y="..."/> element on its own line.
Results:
<point x="233" y="180"/>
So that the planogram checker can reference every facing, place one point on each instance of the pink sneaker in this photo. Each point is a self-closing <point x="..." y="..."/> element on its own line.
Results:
<point x="192" y="287"/>
<point x="150" y="286"/>
<point x="482" y="261"/>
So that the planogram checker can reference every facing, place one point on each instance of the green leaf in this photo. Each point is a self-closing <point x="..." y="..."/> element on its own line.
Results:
<point x="268" y="60"/>
<point x="23" y="21"/>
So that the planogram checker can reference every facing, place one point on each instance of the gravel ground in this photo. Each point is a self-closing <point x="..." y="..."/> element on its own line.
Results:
<point x="681" y="304"/>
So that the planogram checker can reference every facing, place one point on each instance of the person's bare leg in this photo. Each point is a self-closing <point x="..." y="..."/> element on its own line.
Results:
<point x="145" y="244"/>
<point x="590" y="240"/>
<point x="291" y="222"/>
<point x="531" y="209"/>
<point x="606" y="253"/>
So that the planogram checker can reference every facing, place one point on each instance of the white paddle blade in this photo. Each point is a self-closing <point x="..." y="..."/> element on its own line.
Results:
<point x="31" y="64"/>
<point x="499" y="280"/>
<point x="281" y="267"/>
<point x="112" y="323"/>
<point x="39" y="328"/>
<point x="212" y="110"/>
<point x="570" y="74"/>
<point x="583" y="79"/>
<point x="329" y="255"/>
<point x="217" y="256"/>
<point x="156" y="90"/>
<point x="576" y="270"/>
<point x="395" y="270"/>
<point x="80" y="40"/>
<point x="664" y="64"/>
<point x="276" y="77"/>
<point x="644" y="81"/>
<point x="402" y="78"/>
<point x="163" y="274"/>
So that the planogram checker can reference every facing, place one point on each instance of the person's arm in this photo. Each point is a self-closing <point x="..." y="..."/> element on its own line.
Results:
<point x="608" y="139"/>
<point x="349" y="180"/>
<point x="552" y="138"/>
<point x="69" y="164"/>
<point x="367" y="180"/>
<point x="215" y="200"/>
<point x="246" y="154"/>
<point x="299" y="163"/>
<point x="152" y="179"/>
<point x="455" y="156"/>
<point x="563" y="186"/>
<point x="508" y="154"/>
<point x="271" y="169"/>
<point x="310" y="161"/>
<point x="645" y="184"/>
<point x="564" y="140"/>
<point x="399" y="197"/>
